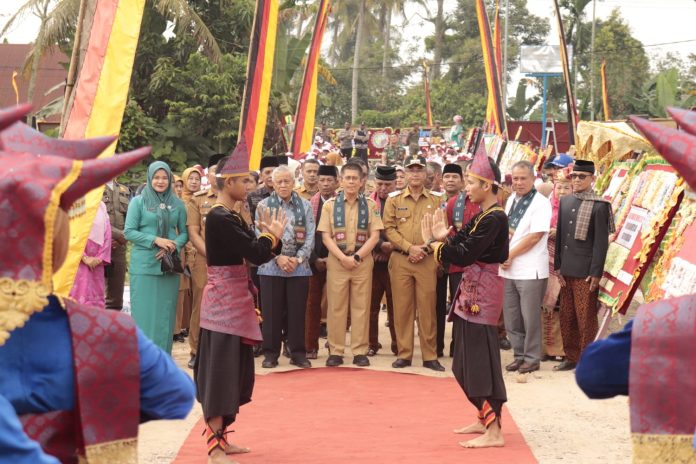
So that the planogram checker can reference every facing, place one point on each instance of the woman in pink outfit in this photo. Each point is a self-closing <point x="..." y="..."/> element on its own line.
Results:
<point x="89" y="286"/>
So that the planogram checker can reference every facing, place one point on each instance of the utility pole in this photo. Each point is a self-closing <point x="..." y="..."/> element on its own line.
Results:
<point x="592" y="60"/>
<point x="503" y="72"/>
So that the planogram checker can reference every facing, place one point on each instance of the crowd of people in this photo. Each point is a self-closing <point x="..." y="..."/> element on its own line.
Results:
<point x="311" y="290"/>
<point x="353" y="243"/>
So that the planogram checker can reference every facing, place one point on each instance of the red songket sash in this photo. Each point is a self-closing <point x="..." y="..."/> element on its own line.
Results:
<point x="103" y="427"/>
<point x="479" y="297"/>
<point x="662" y="380"/>
<point x="228" y="304"/>
<point x="375" y="197"/>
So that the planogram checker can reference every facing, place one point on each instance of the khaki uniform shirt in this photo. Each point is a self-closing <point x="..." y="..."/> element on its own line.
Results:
<point x="198" y="208"/>
<point x="326" y="222"/>
<point x="116" y="200"/>
<point x="403" y="214"/>
<point x="304" y="193"/>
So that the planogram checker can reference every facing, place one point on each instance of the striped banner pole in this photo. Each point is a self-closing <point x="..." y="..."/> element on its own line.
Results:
<point x="605" y="91"/>
<point x="97" y="105"/>
<point x="307" y="101"/>
<point x="491" y="69"/>
<point x="570" y="98"/>
<point x="257" y="90"/>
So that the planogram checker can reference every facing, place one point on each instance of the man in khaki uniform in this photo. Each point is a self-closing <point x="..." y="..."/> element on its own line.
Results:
<point x="412" y="269"/>
<point x="197" y="209"/>
<point x="116" y="197"/>
<point x="310" y="179"/>
<point x="350" y="225"/>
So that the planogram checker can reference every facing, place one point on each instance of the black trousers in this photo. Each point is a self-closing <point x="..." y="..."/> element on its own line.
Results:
<point x="454" y="280"/>
<point x="347" y="152"/>
<point x="283" y="299"/>
<point x="441" y="312"/>
<point x="361" y="153"/>
<point x="116" y="278"/>
<point x="476" y="364"/>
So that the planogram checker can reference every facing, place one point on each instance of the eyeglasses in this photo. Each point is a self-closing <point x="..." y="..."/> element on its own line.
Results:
<point x="579" y="176"/>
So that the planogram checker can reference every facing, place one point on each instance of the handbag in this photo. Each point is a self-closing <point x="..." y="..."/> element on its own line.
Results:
<point x="171" y="263"/>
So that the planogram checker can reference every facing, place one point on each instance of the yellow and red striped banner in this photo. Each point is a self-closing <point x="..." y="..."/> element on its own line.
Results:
<point x="426" y="84"/>
<point x="491" y="68"/>
<point x="307" y="101"/>
<point x="605" y="91"/>
<point x="570" y="98"/>
<point x="257" y="90"/>
<point x="497" y="49"/>
<point x="99" y="100"/>
<point x="14" y="86"/>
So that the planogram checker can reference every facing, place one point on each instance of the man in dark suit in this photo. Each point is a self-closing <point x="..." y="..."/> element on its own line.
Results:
<point x="585" y="221"/>
<point x="328" y="183"/>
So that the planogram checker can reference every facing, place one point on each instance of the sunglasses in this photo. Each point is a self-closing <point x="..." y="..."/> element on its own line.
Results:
<point x="579" y="176"/>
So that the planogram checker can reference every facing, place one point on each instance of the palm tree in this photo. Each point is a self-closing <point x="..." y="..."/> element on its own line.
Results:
<point x="356" y="62"/>
<point x="58" y="26"/>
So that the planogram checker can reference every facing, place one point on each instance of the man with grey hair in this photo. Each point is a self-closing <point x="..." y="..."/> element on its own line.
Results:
<point x="526" y="270"/>
<point x="285" y="279"/>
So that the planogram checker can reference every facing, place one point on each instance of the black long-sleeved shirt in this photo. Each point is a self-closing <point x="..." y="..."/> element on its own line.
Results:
<point x="488" y="243"/>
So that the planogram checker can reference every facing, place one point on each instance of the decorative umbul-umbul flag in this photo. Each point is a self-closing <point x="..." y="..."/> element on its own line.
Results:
<point x="426" y="84"/>
<point x="491" y="68"/>
<point x="257" y="90"/>
<point x="605" y="91"/>
<point x="95" y="106"/>
<point x="570" y="98"/>
<point x="307" y="101"/>
<point x="497" y="51"/>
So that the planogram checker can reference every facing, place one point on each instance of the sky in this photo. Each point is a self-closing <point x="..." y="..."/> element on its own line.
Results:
<point x="652" y="22"/>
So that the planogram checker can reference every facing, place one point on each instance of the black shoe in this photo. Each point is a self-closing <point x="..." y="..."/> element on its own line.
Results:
<point x="565" y="366"/>
<point x="179" y="338"/>
<point x="526" y="368"/>
<point x="434" y="365"/>
<point x="400" y="363"/>
<point x="286" y="350"/>
<point x="258" y="351"/>
<point x="192" y="361"/>
<point x="185" y="332"/>
<point x="322" y="331"/>
<point x="334" y="361"/>
<point x="514" y="365"/>
<point x="505" y="344"/>
<point x="394" y="349"/>
<point x="441" y="354"/>
<point x="361" y="360"/>
<point x="269" y="363"/>
<point x="303" y="363"/>
<point x="371" y="352"/>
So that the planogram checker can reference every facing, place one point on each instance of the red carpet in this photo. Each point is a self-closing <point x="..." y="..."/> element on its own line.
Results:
<point x="353" y="415"/>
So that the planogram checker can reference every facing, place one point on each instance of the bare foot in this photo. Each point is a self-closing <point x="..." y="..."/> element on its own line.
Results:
<point x="219" y="457"/>
<point x="231" y="448"/>
<point x="476" y="427"/>
<point x="492" y="438"/>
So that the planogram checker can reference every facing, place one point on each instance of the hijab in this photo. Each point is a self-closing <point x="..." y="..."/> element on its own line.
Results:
<point x="186" y="194"/>
<point x="163" y="203"/>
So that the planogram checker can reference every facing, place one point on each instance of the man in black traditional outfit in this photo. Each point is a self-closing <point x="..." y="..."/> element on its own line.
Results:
<point x="479" y="247"/>
<point x="224" y="367"/>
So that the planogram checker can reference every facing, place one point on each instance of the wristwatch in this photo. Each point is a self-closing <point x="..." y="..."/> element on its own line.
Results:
<point x="357" y="257"/>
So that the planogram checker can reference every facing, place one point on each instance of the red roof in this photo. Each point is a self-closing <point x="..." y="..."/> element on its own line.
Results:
<point x="52" y="71"/>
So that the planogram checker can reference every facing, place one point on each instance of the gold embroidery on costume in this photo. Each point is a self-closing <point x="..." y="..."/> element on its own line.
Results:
<point x="120" y="451"/>
<point x="665" y="449"/>
<point x="19" y="299"/>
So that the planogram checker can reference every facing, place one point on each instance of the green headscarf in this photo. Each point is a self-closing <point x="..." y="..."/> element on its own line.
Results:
<point x="160" y="203"/>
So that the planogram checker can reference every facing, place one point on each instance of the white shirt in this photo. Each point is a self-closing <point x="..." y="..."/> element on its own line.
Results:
<point x="534" y="264"/>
